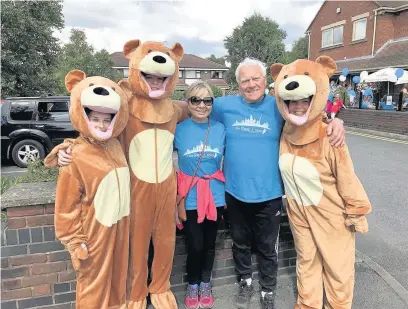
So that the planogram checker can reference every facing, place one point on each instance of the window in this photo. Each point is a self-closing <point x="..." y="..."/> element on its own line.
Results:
<point x="217" y="75"/>
<point x="180" y="74"/>
<point x="190" y="74"/>
<point x="332" y="36"/>
<point x="126" y="72"/>
<point x="359" y="29"/>
<point x="54" y="111"/>
<point x="198" y="74"/>
<point x="21" y="110"/>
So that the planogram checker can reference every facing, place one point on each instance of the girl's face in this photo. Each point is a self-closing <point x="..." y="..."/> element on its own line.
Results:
<point x="155" y="83"/>
<point x="298" y="107"/>
<point x="100" y="121"/>
<point x="200" y="105"/>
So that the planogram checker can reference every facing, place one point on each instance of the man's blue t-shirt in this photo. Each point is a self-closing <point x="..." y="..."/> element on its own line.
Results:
<point x="188" y="142"/>
<point x="252" y="147"/>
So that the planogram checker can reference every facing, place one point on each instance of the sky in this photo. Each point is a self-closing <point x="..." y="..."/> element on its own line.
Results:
<point x="199" y="25"/>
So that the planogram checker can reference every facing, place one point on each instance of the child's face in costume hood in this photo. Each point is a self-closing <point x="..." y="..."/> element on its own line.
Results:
<point x="103" y="97"/>
<point x="301" y="80"/>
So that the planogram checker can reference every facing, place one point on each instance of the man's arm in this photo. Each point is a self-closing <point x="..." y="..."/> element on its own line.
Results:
<point x="181" y="109"/>
<point x="335" y="131"/>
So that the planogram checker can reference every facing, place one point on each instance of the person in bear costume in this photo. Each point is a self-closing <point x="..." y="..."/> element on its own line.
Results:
<point x="326" y="201"/>
<point x="148" y="144"/>
<point x="92" y="203"/>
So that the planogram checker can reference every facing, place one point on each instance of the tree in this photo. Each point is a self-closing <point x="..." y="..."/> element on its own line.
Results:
<point x="258" y="37"/>
<point x="220" y="60"/>
<point x="78" y="54"/>
<point x="29" y="50"/>
<point x="216" y="90"/>
<point x="299" y="49"/>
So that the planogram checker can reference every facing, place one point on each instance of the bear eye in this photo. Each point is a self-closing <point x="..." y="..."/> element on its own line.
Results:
<point x="306" y="73"/>
<point x="168" y="53"/>
<point x="285" y="76"/>
<point x="149" y="51"/>
<point x="91" y="84"/>
<point x="113" y="88"/>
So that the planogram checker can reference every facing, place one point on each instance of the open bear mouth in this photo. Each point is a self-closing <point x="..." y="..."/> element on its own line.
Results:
<point x="156" y="92"/>
<point x="298" y="119"/>
<point x="101" y="135"/>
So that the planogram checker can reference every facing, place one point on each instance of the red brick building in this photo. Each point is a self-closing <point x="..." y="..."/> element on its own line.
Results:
<point x="361" y="35"/>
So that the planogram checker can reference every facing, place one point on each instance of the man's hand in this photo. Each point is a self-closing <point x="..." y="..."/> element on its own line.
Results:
<point x="336" y="132"/>
<point x="64" y="157"/>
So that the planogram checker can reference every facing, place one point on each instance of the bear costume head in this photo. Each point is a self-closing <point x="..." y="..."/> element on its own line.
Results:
<point x="152" y="58"/>
<point x="98" y="94"/>
<point x="303" y="79"/>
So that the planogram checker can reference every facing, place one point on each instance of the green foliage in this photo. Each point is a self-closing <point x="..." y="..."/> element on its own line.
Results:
<point x="216" y="91"/>
<point x="258" y="37"/>
<point x="78" y="54"/>
<point x="299" y="50"/>
<point x="36" y="172"/>
<point x="29" y="50"/>
<point x="220" y="60"/>
<point x="178" y="95"/>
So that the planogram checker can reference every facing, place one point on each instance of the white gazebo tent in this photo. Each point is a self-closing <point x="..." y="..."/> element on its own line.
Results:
<point x="383" y="75"/>
<point x="403" y="79"/>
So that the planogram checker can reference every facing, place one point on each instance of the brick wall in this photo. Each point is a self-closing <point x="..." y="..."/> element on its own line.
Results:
<point x="36" y="270"/>
<point x="386" y="121"/>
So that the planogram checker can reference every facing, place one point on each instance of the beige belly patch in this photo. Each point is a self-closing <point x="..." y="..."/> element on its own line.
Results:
<point x="303" y="184"/>
<point x="142" y="155"/>
<point x="112" y="199"/>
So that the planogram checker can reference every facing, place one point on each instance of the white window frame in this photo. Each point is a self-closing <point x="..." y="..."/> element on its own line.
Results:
<point x="190" y="74"/>
<point x="198" y="74"/>
<point x="180" y="74"/>
<point x="332" y="36"/>
<point x="126" y="72"/>
<point x="354" y="29"/>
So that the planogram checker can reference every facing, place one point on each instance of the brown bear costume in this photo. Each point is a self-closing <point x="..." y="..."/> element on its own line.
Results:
<point x="326" y="201"/>
<point x="148" y="144"/>
<point x="93" y="195"/>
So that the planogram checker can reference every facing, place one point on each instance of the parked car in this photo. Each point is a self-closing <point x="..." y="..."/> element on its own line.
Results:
<point x="31" y="127"/>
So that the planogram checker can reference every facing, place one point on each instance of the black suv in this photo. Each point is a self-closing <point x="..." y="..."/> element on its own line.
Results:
<point x="31" y="127"/>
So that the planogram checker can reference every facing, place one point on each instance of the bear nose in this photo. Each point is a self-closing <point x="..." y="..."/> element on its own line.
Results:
<point x="292" y="86"/>
<point x="159" y="59"/>
<point x="101" y="91"/>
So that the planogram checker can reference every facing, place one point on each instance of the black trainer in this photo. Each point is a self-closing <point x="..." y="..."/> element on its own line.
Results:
<point x="245" y="292"/>
<point x="268" y="301"/>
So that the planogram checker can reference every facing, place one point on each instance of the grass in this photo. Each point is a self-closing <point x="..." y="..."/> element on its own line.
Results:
<point x="36" y="172"/>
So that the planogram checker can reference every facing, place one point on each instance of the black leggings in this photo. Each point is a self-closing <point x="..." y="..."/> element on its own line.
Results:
<point x="200" y="246"/>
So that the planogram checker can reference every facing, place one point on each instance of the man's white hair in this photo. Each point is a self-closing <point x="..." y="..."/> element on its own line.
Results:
<point x="250" y="62"/>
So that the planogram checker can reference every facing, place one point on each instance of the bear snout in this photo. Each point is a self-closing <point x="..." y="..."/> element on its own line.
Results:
<point x="292" y="86"/>
<point x="101" y="91"/>
<point x="159" y="59"/>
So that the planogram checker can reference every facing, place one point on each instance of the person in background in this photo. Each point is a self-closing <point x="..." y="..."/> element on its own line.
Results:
<point x="337" y="105"/>
<point x="352" y="95"/>
<point x="205" y="200"/>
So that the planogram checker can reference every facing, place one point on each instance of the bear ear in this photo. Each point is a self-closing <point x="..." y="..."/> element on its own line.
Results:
<point x="129" y="47"/>
<point x="328" y="64"/>
<point x="125" y="86"/>
<point x="178" y="50"/>
<point x="73" y="78"/>
<point x="275" y="70"/>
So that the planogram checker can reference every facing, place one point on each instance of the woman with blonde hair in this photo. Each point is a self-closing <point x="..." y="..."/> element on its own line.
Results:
<point x="200" y="142"/>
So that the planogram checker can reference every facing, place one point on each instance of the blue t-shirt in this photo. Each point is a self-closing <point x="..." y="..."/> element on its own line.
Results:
<point x="188" y="142"/>
<point x="252" y="147"/>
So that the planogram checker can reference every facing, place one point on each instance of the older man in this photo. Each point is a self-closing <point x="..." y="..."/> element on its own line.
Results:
<point x="253" y="183"/>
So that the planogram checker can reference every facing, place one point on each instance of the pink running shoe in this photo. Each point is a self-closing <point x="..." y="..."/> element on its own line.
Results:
<point x="191" y="300"/>
<point x="206" y="297"/>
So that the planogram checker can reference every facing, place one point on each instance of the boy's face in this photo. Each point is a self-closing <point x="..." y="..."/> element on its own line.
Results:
<point x="298" y="107"/>
<point x="100" y="121"/>
<point x="155" y="82"/>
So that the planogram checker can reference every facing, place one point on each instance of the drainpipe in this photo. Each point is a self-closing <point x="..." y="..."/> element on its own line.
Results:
<point x="375" y="28"/>
<point x="308" y="47"/>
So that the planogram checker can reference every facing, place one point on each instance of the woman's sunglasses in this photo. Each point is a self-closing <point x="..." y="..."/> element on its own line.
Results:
<point x="208" y="101"/>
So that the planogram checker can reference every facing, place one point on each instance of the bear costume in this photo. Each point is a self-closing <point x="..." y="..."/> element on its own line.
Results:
<point x="326" y="201"/>
<point x="148" y="144"/>
<point x="92" y="203"/>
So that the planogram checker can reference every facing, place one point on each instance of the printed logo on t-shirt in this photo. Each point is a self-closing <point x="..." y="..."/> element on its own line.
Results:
<point x="251" y="125"/>
<point x="196" y="151"/>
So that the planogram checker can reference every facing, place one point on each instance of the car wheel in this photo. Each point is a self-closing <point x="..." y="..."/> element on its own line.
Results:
<point x="26" y="150"/>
